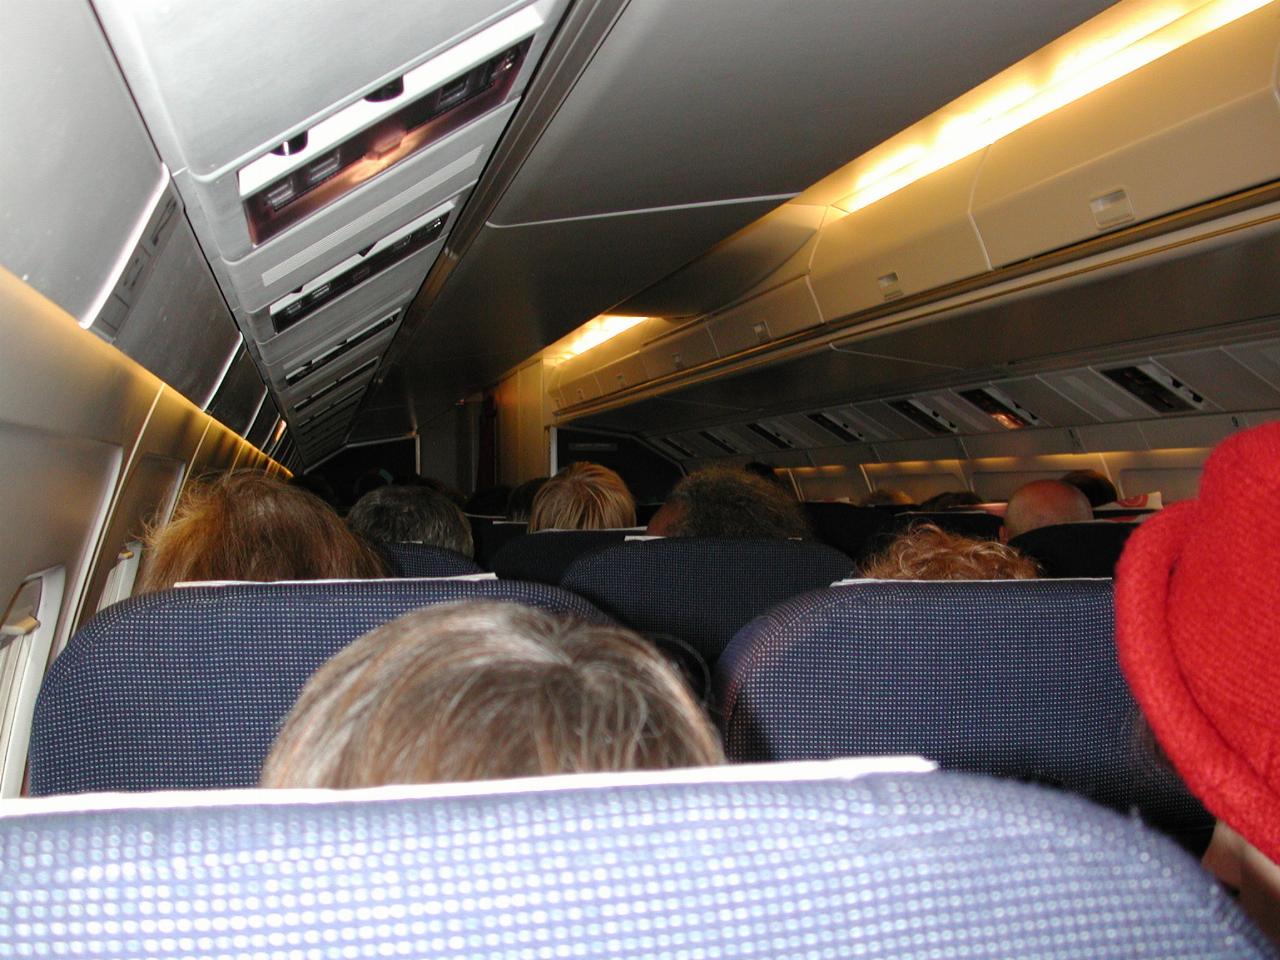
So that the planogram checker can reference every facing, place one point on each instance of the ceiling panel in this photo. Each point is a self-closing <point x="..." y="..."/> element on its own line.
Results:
<point x="693" y="101"/>
<point x="521" y="288"/>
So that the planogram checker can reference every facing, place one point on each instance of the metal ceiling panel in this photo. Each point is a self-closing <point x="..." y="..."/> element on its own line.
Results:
<point x="520" y="289"/>
<point x="689" y="102"/>
<point x="69" y="130"/>
<point x="1223" y="379"/>
<point x="194" y="69"/>
<point x="733" y="266"/>
<point x="240" y="395"/>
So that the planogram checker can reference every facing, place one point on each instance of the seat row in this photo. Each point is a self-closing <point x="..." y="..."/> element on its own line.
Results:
<point x="186" y="688"/>
<point x="721" y="862"/>
<point x="504" y="547"/>
<point x="703" y="591"/>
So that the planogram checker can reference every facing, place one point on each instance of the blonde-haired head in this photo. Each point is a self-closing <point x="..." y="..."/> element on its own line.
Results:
<point x="583" y="496"/>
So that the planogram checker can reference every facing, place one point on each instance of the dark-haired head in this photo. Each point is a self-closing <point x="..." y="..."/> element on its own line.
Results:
<point x="730" y="503"/>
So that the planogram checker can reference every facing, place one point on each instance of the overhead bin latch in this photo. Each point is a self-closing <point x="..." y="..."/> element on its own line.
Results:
<point x="1111" y="209"/>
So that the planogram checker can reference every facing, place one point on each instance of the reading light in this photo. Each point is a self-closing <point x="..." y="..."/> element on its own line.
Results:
<point x="1128" y="36"/>
<point x="595" y="332"/>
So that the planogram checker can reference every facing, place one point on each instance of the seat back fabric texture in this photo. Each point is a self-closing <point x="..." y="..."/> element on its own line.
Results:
<point x="543" y="557"/>
<point x="1076" y="549"/>
<point x="701" y="590"/>
<point x="1015" y="678"/>
<point x="427" y="560"/>
<point x="187" y="688"/>
<point x="887" y="867"/>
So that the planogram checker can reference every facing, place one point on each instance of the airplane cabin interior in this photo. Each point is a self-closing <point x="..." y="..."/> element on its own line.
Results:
<point x="874" y="244"/>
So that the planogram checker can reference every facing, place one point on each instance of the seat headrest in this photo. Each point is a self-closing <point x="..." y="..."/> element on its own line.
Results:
<point x="186" y="688"/>
<point x="886" y="865"/>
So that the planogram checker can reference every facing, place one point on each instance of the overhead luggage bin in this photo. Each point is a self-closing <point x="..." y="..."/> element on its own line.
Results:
<point x="766" y="253"/>
<point x="620" y="374"/>
<point x="784" y="310"/>
<point x="379" y="275"/>
<point x="1198" y="123"/>
<point x="293" y="60"/>
<point x="911" y="241"/>
<point x="68" y="121"/>
<point x="363" y="217"/>
<point x="682" y="350"/>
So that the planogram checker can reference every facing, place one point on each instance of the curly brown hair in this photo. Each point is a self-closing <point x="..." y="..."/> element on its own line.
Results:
<point x="927" y="552"/>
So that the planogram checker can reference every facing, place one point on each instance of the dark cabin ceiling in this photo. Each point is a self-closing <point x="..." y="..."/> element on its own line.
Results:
<point x="691" y="120"/>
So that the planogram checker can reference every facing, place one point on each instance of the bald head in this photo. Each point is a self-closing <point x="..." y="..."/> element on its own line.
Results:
<point x="1042" y="503"/>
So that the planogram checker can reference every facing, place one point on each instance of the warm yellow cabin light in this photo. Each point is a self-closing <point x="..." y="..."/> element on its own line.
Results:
<point x="1012" y="100"/>
<point x="281" y="427"/>
<point x="595" y="332"/>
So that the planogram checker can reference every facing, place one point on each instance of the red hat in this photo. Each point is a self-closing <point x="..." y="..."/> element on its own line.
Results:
<point x="1198" y="630"/>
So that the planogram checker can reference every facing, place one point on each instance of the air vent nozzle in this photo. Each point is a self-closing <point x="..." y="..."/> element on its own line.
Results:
<point x="677" y="447"/>
<point x="340" y="349"/>
<point x="841" y="431"/>
<point x="328" y="169"/>
<point x="772" y="437"/>
<point x="924" y="417"/>
<point x="718" y="442"/>
<point x="1158" y="390"/>
<point x="1004" y="411"/>
<point x="296" y="307"/>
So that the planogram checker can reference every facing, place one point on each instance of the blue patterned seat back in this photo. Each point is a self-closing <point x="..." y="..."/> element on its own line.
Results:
<point x="427" y="560"/>
<point x="888" y="867"/>
<point x="544" y="556"/>
<point x="1016" y="678"/>
<point x="701" y="590"/>
<point x="187" y="687"/>
<point x="1076" y="549"/>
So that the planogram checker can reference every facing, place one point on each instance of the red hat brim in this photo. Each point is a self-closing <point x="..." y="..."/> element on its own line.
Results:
<point x="1207" y="762"/>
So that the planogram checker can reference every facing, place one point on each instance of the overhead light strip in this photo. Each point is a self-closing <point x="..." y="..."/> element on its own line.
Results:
<point x="1013" y="100"/>
<point x="591" y="334"/>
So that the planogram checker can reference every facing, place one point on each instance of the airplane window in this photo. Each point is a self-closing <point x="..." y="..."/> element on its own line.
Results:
<point x="26" y="637"/>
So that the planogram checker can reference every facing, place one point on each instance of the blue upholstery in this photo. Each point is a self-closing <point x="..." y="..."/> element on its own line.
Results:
<point x="186" y="688"/>
<point x="888" y="867"/>
<point x="426" y="560"/>
<point x="544" y="556"/>
<point x="1076" y="549"/>
<point x="701" y="590"/>
<point x="1011" y="677"/>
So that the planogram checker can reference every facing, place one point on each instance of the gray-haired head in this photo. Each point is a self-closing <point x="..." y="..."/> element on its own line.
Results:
<point x="484" y="690"/>
<point x="416" y="514"/>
